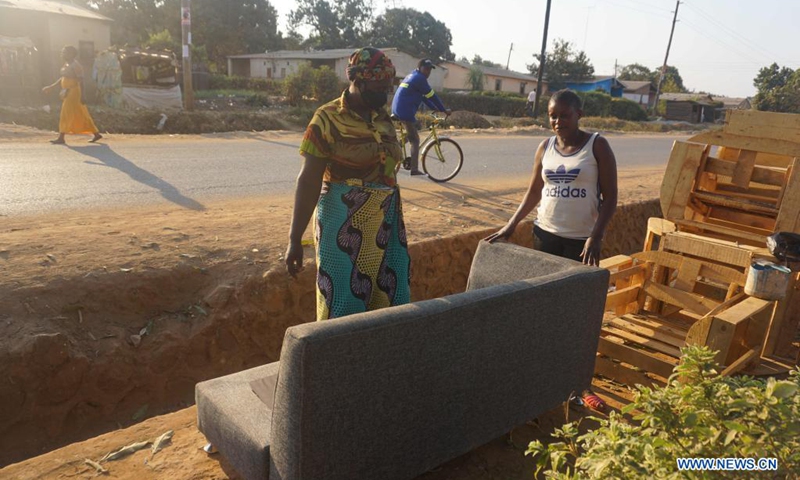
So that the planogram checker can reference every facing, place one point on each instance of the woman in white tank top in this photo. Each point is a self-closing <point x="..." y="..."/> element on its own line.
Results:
<point x="575" y="185"/>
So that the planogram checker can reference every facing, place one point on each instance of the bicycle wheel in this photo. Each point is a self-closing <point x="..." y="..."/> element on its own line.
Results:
<point x="443" y="160"/>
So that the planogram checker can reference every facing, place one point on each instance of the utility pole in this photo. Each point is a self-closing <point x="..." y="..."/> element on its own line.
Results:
<point x="508" y="62"/>
<point x="186" y="34"/>
<point x="615" y="68"/>
<point x="541" y="62"/>
<point x="666" y="57"/>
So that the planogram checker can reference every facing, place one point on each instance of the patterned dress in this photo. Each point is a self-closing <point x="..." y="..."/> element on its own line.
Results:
<point x="362" y="254"/>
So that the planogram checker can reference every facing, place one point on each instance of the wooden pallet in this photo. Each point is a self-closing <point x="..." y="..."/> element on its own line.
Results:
<point x="740" y="184"/>
<point x="657" y="310"/>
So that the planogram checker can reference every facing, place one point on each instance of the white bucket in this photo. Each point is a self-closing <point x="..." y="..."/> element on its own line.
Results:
<point x="767" y="280"/>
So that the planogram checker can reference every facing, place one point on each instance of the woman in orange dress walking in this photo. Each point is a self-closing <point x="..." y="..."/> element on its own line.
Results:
<point x="75" y="116"/>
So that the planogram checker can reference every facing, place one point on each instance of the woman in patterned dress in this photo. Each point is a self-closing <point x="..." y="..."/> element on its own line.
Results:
<point x="349" y="151"/>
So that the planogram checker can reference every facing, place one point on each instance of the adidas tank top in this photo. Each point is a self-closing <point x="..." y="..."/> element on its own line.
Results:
<point x="571" y="195"/>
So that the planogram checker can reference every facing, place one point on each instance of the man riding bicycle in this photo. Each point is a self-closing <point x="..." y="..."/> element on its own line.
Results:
<point x="413" y="90"/>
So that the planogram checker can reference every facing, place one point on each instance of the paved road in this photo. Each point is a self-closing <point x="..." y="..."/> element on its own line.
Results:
<point x="42" y="178"/>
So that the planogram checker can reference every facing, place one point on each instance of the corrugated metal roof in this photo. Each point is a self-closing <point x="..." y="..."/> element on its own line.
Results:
<point x="497" y="72"/>
<point x="54" y="7"/>
<point x="634" y="84"/>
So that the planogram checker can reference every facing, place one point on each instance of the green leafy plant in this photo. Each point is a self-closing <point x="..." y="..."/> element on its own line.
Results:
<point x="326" y="85"/>
<point x="698" y="414"/>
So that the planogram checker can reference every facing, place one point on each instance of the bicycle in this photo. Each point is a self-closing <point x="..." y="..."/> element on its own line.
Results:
<point x="446" y="157"/>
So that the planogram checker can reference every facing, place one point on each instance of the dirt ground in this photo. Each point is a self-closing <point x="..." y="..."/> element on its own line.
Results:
<point x="183" y="458"/>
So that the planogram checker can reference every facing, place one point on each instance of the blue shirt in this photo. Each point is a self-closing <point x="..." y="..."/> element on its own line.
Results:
<point x="414" y="90"/>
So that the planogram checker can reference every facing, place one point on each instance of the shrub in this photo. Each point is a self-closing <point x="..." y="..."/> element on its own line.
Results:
<point x="224" y="82"/>
<point x="625" y="109"/>
<point x="698" y="414"/>
<point x="596" y="104"/>
<point x="485" y="104"/>
<point x="326" y="86"/>
<point x="257" y="100"/>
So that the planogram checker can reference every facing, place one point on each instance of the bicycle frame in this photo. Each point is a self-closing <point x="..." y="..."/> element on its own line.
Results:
<point x="433" y="136"/>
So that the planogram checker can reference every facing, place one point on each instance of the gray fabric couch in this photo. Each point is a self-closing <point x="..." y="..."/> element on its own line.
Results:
<point x="393" y="393"/>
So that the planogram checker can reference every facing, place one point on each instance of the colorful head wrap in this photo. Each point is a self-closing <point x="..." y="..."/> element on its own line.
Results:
<point x="370" y="64"/>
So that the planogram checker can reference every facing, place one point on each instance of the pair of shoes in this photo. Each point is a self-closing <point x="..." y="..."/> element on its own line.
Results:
<point x="58" y="141"/>
<point x="407" y="163"/>
<point x="591" y="400"/>
<point x="96" y="137"/>
<point x="418" y="172"/>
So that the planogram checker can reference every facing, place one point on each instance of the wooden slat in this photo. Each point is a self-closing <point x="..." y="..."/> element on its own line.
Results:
<point x="744" y="168"/>
<point x="743" y="218"/>
<point x="679" y="177"/>
<point x="705" y="269"/>
<point x="774" y="146"/>
<point x="626" y="273"/>
<point x="789" y="214"/>
<point x="617" y="261"/>
<point x="622" y="297"/>
<point x="688" y="272"/>
<point x="743" y="310"/>
<point x="728" y="231"/>
<point x="739" y="204"/>
<point x="758" y="194"/>
<point x="660" y="323"/>
<point x="614" y="348"/>
<point x="685" y="300"/>
<point x="714" y="250"/>
<point x="644" y="341"/>
<point x="768" y="125"/>
<point x="720" y="338"/>
<point x="742" y="227"/>
<point x="622" y="374"/>
<point x="763" y="159"/>
<point x="648" y="332"/>
<point x="741" y="363"/>
<point x="765" y="175"/>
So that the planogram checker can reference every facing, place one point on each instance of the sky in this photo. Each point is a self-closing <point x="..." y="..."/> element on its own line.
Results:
<point x="718" y="45"/>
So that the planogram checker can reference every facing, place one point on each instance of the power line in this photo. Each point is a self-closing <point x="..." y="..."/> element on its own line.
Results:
<point x="725" y="45"/>
<point x="731" y="32"/>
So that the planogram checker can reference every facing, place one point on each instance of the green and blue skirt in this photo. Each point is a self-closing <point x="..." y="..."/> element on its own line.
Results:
<point x="362" y="250"/>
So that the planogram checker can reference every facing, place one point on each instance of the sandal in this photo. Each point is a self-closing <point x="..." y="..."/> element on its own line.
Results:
<point x="591" y="400"/>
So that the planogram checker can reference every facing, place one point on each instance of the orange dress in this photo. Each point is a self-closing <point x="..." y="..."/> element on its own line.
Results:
<point x="75" y="116"/>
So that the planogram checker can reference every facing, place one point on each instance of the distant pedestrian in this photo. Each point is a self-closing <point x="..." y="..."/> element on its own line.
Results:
<point x="413" y="90"/>
<point x="75" y="116"/>
<point x="530" y="103"/>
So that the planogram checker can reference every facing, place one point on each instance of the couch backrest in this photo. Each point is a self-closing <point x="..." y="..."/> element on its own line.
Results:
<point x="393" y="393"/>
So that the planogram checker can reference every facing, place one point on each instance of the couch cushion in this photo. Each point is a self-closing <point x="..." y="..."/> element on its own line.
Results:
<point x="236" y="421"/>
<point x="392" y="393"/>
<point x="501" y="262"/>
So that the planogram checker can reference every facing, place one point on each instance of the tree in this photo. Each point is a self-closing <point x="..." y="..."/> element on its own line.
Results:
<point x="636" y="72"/>
<point x="338" y="24"/>
<point x="563" y="64"/>
<point x="778" y="89"/>
<point x="672" y="80"/>
<point x="416" y="33"/>
<point x="234" y="27"/>
<point x="477" y="60"/>
<point x="476" y="78"/>
<point x="222" y="28"/>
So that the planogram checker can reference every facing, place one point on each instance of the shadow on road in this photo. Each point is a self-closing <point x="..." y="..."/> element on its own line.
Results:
<point x="109" y="158"/>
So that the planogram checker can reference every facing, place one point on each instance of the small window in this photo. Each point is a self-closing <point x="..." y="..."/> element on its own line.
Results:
<point x="498" y="84"/>
<point x="269" y="72"/>
<point x="283" y="73"/>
